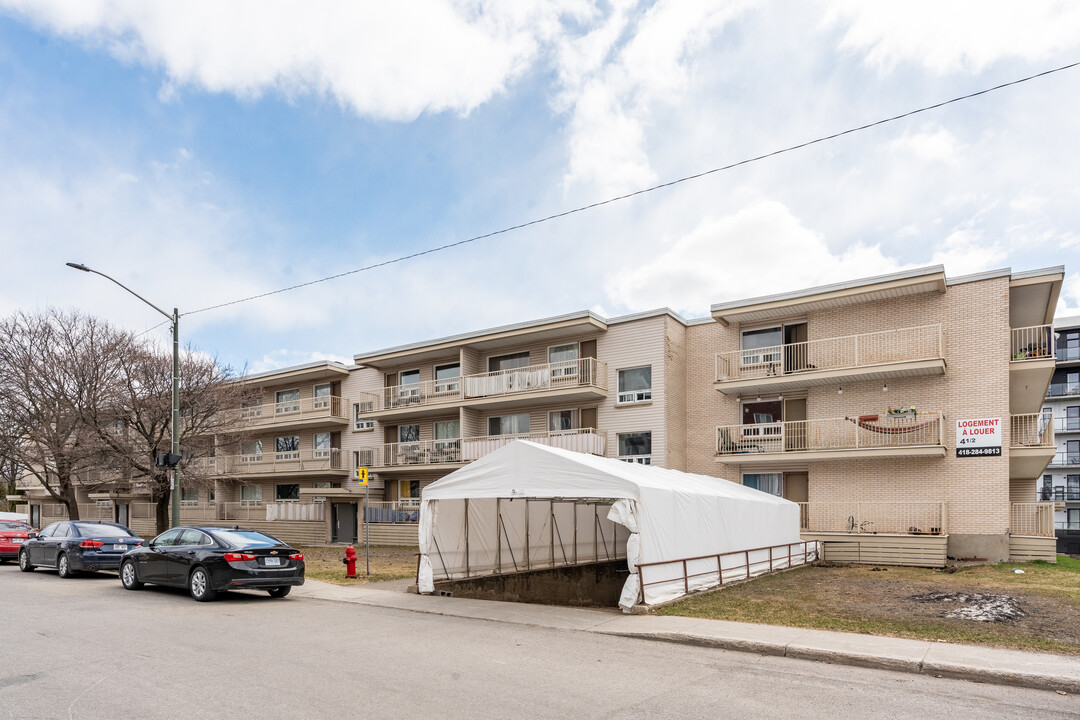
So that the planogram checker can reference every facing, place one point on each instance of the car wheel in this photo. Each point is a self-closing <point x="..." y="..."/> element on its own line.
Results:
<point x="199" y="585"/>
<point x="128" y="577"/>
<point x="279" y="592"/>
<point x="63" y="569"/>
<point x="24" y="561"/>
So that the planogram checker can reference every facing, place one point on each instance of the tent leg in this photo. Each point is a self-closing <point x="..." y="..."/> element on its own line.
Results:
<point x="466" y="537"/>
<point x="439" y="551"/>
<point x="551" y="511"/>
<point x="555" y="528"/>
<point x="498" y="535"/>
<point x="528" y="555"/>
<point x="596" y="517"/>
<point x="508" y="547"/>
<point x="574" y="506"/>
<point x="595" y="547"/>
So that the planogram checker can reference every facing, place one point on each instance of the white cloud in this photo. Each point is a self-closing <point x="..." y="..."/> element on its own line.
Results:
<point x="964" y="252"/>
<point x="929" y="144"/>
<point x="277" y="359"/>
<point x="384" y="60"/>
<point x="957" y="36"/>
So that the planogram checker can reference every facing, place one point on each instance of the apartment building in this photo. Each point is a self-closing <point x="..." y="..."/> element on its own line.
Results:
<point x="904" y="413"/>
<point x="1061" y="481"/>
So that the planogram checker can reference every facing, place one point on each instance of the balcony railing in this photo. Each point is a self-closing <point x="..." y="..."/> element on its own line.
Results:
<point x="426" y="452"/>
<point x="243" y="510"/>
<point x="1032" y="430"/>
<point x="1066" y="459"/>
<point x="325" y="406"/>
<point x="1059" y="494"/>
<point x="1067" y="424"/>
<point x="901" y="518"/>
<point x="1064" y="389"/>
<point x="1068" y="354"/>
<point x="1032" y="343"/>
<point x="1068" y="525"/>
<point x="841" y="353"/>
<point x="405" y="511"/>
<point x="866" y="432"/>
<point x="271" y="462"/>
<point x="1032" y="519"/>
<point x="584" y="372"/>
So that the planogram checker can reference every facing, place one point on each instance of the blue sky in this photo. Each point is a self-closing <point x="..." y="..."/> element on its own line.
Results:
<point x="202" y="152"/>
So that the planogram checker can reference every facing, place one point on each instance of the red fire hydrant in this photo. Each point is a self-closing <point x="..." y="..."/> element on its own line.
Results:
<point x="350" y="562"/>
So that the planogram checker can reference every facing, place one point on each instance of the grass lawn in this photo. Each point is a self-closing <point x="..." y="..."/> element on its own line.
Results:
<point x="387" y="563"/>
<point x="883" y="601"/>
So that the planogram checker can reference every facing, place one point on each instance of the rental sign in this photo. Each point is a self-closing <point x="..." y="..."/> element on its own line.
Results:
<point x="978" y="438"/>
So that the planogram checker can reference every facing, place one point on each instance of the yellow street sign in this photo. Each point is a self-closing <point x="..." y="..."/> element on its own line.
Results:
<point x="361" y="476"/>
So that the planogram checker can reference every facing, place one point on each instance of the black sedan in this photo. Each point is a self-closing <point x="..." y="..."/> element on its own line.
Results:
<point x="76" y="545"/>
<point x="209" y="560"/>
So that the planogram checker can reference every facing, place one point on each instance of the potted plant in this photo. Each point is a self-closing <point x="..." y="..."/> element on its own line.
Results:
<point x="902" y="412"/>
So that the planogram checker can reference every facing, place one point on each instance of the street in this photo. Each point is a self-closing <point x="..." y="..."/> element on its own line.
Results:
<point x="86" y="648"/>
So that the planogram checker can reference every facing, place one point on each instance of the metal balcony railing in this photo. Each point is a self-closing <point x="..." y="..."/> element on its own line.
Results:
<point x="1032" y="343"/>
<point x="1059" y="494"/>
<point x="1066" y="459"/>
<point x="1067" y="354"/>
<point x="1067" y="424"/>
<point x="926" y="342"/>
<point x="457" y="450"/>
<point x="1032" y="429"/>
<point x="865" y="432"/>
<point x="1032" y="519"/>
<point x="584" y="372"/>
<point x="271" y="462"/>
<point x="900" y="518"/>
<point x="1064" y="389"/>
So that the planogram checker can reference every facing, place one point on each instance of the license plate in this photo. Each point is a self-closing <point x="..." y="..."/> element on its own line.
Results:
<point x="119" y="548"/>
<point x="17" y="541"/>
<point x="272" y="562"/>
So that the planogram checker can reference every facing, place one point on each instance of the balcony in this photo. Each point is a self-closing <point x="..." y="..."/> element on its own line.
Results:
<point x="805" y="440"/>
<point x="294" y="463"/>
<point x="574" y="381"/>
<point x="1031" y="366"/>
<point x="438" y="454"/>
<point x="1059" y="495"/>
<point x="247" y="510"/>
<point x="1067" y="354"/>
<point x="1065" y="460"/>
<point x="306" y="412"/>
<point x="1062" y="390"/>
<point x="1067" y="425"/>
<point x="874" y="518"/>
<point x="1031" y="444"/>
<point x="1032" y="519"/>
<point x="877" y="356"/>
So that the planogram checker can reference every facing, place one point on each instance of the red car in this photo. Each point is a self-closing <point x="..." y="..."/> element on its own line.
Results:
<point x="12" y="535"/>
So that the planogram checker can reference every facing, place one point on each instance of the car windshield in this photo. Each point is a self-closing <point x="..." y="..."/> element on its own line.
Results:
<point x="246" y="538"/>
<point x="103" y="531"/>
<point x="16" y="526"/>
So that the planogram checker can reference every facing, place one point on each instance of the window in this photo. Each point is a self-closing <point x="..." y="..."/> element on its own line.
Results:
<point x="321" y="445"/>
<point x="192" y="536"/>
<point x="408" y="433"/>
<point x="409" y="386"/>
<point x="286" y="401"/>
<point x="1072" y="452"/>
<point x="1047" y="488"/>
<point x="322" y="397"/>
<point x="447" y="378"/>
<point x="322" y="390"/>
<point x="772" y="483"/>
<point x="287" y="492"/>
<point x="509" y="424"/>
<point x="287" y="448"/>
<point x="636" y="447"/>
<point x="1072" y="519"/>
<point x="508" y="362"/>
<point x="635" y="385"/>
<point x="251" y="495"/>
<point x="189" y="496"/>
<point x="1068" y="345"/>
<point x="409" y="377"/>
<point x="761" y="346"/>
<point x="447" y="429"/>
<point x="408" y="489"/>
<point x="1072" y="418"/>
<point x="360" y="410"/>
<point x="1072" y="487"/>
<point x="252" y="448"/>
<point x="363" y="458"/>
<point x="561" y="420"/>
<point x="251" y="408"/>
<point x="168" y="538"/>
<point x="320" y="486"/>
<point x="563" y="360"/>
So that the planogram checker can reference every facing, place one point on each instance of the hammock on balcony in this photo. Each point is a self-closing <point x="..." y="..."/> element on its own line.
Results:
<point x="870" y="422"/>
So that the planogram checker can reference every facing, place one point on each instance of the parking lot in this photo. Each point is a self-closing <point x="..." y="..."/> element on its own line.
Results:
<point x="87" y="648"/>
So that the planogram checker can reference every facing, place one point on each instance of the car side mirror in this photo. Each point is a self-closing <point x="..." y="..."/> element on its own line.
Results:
<point x="31" y="536"/>
<point x="150" y="544"/>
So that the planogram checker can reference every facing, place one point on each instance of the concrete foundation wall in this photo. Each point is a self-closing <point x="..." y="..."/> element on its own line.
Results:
<point x="593" y="585"/>
<point x="994" y="548"/>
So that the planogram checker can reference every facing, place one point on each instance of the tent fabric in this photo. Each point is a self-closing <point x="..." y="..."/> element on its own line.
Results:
<point x="467" y="523"/>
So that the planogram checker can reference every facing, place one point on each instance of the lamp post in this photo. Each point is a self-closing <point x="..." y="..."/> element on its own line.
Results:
<point x="174" y="486"/>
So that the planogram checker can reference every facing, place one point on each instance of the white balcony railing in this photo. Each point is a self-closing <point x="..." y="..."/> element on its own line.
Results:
<point x="840" y="353"/>
<point x="1032" y="343"/>
<point x="325" y="406"/>
<point x="271" y="462"/>
<point x="1032" y="429"/>
<point x="1032" y="519"/>
<point x="902" y="518"/>
<point x="584" y="372"/>
<point x="426" y="452"/>
<point x="1067" y="424"/>
<point x="865" y="432"/>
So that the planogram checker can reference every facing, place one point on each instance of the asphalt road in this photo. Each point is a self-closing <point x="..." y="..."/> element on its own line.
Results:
<point x="86" y="648"/>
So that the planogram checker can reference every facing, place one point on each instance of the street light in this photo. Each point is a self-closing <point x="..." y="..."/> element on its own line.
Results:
<point x="174" y="498"/>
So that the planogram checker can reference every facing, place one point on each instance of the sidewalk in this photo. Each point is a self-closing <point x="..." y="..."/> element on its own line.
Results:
<point x="965" y="662"/>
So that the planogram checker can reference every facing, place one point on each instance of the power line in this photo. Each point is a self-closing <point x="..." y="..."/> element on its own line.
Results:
<point x="643" y="191"/>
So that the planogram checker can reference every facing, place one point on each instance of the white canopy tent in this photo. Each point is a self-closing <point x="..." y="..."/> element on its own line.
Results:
<point x="529" y="506"/>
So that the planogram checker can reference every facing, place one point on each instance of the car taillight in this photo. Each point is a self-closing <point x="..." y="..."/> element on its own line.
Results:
<point x="238" y="557"/>
<point x="297" y="557"/>
<point x="139" y="542"/>
<point x="91" y="544"/>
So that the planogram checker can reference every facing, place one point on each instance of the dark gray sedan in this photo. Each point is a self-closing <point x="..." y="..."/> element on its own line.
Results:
<point x="76" y="545"/>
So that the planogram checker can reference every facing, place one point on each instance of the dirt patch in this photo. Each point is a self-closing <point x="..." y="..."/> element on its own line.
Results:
<point x="909" y="602"/>
<point x="980" y="607"/>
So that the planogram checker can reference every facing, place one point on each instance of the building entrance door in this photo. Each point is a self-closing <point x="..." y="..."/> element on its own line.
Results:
<point x="344" y="523"/>
<point x="122" y="514"/>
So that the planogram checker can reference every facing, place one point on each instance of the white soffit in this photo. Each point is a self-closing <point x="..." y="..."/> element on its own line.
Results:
<point x="827" y="297"/>
<point x="1033" y="296"/>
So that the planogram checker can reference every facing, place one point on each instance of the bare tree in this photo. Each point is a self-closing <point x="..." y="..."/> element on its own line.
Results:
<point x="133" y="419"/>
<point x="44" y="387"/>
